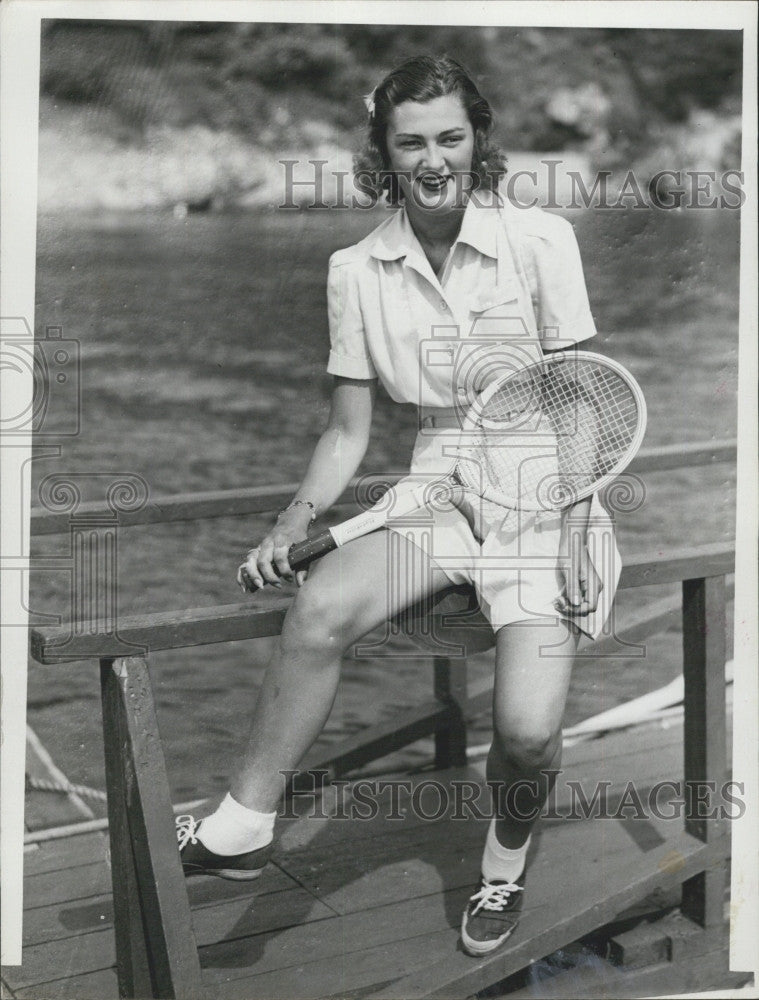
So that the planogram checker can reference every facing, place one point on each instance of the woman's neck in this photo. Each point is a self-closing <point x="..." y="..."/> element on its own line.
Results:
<point x="435" y="228"/>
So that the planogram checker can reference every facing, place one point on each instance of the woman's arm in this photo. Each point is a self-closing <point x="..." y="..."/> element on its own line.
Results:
<point x="337" y="455"/>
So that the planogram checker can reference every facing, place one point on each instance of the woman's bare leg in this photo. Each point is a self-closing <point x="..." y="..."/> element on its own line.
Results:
<point x="347" y="593"/>
<point x="529" y="696"/>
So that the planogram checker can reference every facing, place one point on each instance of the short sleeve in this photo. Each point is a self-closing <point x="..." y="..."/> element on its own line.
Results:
<point x="349" y="353"/>
<point x="562" y="307"/>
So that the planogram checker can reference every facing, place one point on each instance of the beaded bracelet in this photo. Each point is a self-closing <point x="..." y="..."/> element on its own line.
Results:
<point x="301" y="503"/>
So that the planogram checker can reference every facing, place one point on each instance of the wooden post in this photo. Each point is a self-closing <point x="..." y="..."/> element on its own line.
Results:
<point x="155" y="946"/>
<point x="450" y="687"/>
<point x="705" y="737"/>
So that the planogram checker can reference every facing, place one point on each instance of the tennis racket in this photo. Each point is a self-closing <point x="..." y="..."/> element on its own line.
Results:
<point x="538" y="438"/>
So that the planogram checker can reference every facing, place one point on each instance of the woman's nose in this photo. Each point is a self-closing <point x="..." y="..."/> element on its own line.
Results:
<point x="433" y="158"/>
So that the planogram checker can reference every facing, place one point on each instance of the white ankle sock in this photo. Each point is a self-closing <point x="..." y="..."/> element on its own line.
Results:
<point x="500" y="862"/>
<point x="234" y="829"/>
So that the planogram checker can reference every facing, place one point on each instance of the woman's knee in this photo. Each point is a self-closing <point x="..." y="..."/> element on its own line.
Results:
<point x="316" y="622"/>
<point x="527" y="746"/>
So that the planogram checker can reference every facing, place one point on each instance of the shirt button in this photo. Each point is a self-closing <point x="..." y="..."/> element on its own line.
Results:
<point x="444" y="305"/>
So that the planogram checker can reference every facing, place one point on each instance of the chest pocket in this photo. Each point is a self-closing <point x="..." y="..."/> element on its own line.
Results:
<point x="498" y="314"/>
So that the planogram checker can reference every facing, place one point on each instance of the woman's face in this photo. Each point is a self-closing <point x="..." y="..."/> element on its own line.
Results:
<point x="430" y="148"/>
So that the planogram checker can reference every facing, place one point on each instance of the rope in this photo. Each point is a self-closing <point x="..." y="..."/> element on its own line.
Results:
<point x="93" y="825"/>
<point x="65" y="788"/>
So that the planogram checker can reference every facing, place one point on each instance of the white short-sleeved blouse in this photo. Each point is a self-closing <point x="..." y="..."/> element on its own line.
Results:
<point x="513" y="277"/>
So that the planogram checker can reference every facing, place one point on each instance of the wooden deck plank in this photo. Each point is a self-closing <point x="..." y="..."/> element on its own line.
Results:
<point x="425" y="860"/>
<point x="79" y="915"/>
<point x="85" y="881"/>
<point x="58" y="887"/>
<point x="331" y="941"/>
<point x="319" y="820"/>
<point x="362" y="970"/>
<point x="54" y="929"/>
<point x="217" y="910"/>
<point x="100" y="985"/>
<point x="93" y="950"/>
<point x="89" y="952"/>
<point x="56" y="855"/>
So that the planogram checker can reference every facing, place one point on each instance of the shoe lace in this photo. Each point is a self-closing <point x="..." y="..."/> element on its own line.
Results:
<point x="186" y="829"/>
<point x="493" y="897"/>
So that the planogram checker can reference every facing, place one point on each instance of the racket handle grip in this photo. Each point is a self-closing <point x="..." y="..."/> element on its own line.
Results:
<point x="302" y="553"/>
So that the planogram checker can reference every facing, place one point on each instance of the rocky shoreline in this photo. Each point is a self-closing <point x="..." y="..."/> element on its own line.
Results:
<point x="85" y="166"/>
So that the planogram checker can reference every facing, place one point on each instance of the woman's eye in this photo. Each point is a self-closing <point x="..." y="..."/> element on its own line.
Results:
<point x="452" y="140"/>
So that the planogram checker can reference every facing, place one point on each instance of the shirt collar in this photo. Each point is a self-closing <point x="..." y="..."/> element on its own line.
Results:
<point x="479" y="228"/>
<point x="395" y="238"/>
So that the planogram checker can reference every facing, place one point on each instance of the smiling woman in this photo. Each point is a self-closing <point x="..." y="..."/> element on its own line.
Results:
<point x="455" y="286"/>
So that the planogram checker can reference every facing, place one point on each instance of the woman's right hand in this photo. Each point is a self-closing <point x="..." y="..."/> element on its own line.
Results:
<point x="267" y="562"/>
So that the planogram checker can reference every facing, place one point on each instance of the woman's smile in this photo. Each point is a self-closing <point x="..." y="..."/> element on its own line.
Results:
<point x="434" y="182"/>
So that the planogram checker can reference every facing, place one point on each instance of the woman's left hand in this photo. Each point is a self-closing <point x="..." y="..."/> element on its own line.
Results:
<point x="582" y="585"/>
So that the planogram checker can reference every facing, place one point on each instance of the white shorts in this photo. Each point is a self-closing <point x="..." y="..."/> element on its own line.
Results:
<point x="515" y="571"/>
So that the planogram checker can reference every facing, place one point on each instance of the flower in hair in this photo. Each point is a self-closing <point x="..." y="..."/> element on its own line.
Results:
<point x="369" y="102"/>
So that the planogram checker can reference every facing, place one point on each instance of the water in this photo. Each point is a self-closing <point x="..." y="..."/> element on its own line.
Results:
<point x="203" y="346"/>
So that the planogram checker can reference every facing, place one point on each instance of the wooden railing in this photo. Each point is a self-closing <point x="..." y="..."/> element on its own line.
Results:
<point x="156" y="953"/>
<point x="263" y="499"/>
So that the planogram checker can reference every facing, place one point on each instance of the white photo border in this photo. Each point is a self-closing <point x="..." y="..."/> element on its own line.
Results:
<point x="19" y="96"/>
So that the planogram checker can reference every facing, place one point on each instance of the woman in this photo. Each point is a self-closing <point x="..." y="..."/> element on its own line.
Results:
<point x="453" y="283"/>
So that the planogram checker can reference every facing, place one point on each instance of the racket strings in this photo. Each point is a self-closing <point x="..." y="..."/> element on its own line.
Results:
<point x="549" y="433"/>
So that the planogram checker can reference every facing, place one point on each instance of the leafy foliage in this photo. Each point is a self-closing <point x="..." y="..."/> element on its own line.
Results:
<point x="253" y="77"/>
